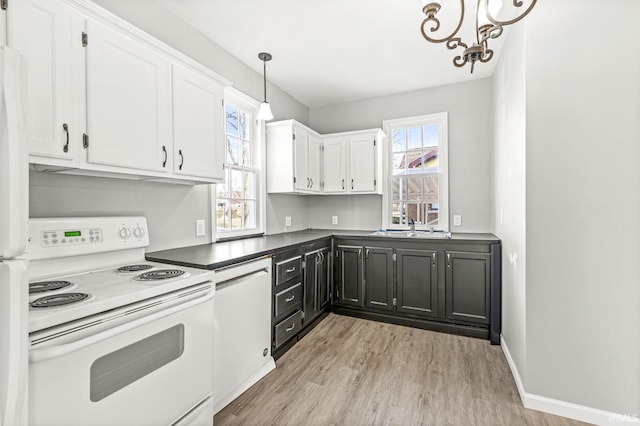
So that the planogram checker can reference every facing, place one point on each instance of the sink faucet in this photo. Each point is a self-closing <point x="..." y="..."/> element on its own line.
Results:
<point x="412" y="225"/>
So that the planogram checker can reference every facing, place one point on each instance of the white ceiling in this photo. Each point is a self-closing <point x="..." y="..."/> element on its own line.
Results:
<point x="332" y="51"/>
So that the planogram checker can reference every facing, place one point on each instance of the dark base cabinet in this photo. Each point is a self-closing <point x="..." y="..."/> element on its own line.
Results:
<point x="443" y="285"/>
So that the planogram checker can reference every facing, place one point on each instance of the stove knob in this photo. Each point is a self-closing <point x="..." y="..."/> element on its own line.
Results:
<point x="125" y="233"/>
<point x="138" y="232"/>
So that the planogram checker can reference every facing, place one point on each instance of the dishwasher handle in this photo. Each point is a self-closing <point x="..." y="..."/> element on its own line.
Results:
<point x="244" y="277"/>
<point x="56" y="351"/>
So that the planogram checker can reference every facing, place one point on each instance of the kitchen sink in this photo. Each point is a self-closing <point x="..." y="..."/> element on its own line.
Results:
<point x="403" y="233"/>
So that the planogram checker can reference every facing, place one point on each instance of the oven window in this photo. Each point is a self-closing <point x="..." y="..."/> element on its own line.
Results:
<point x="114" y="371"/>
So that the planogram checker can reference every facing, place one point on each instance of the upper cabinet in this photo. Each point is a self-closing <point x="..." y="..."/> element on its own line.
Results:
<point x="107" y="99"/>
<point x="301" y="161"/>
<point x="293" y="158"/>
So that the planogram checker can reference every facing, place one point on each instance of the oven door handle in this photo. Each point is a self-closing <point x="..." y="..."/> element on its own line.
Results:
<point x="43" y="354"/>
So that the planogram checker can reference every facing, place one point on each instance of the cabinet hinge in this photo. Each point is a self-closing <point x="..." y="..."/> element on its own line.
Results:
<point x="294" y="179"/>
<point x="395" y="302"/>
<point x="394" y="257"/>
<point x="294" y="136"/>
<point x="338" y="294"/>
<point x="4" y="4"/>
<point x="375" y="182"/>
<point x="85" y="140"/>
<point x="374" y="142"/>
<point x="302" y="314"/>
<point x="304" y="265"/>
<point x="222" y="102"/>
<point x="85" y="39"/>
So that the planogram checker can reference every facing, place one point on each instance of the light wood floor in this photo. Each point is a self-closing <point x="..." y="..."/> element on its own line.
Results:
<point x="350" y="371"/>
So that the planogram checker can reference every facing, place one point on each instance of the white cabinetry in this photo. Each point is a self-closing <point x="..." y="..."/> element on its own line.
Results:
<point x="197" y="125"/>
<point x="106" y="99"/>
<point x="293" y="158"/>
<point x="128" y="102"/>
<point x="335" y="164"/>
<point x="54" y="134"/>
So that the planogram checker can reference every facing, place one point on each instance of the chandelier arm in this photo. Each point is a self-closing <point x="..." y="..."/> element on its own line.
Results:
<point x="493" y="32"/>
<point x="459" y="61"/>
<point x="488" y="54"/>
<point x="486" y="4"/>
<point x="455" y="42"/>
<point x="516" y="3"/>
<point x="436" y="27"/>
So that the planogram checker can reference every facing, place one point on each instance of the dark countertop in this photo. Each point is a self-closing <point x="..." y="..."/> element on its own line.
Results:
<point x="221" y="254"/>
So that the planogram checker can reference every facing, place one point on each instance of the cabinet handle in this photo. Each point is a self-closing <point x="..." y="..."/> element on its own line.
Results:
<point x="448" y="260"/>
<point x="65" y="127"/>
<point x="181" y="159"/>
<point x="290" y="299"/>
<point x="433" y="256"/>
<point x="311" y="182"/>
<point x="359" y="253"/>
<point x="288" y="329"/>
<point x="308" y="183"/>
<point x="343" y="184"/>
<point x="366" y="255"/>
<point x="351" y="184"/>
<point x="164" y="162"/>
<point x="288" y="271"/>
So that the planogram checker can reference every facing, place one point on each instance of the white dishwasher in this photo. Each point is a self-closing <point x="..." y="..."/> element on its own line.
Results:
<point x="242" y="329"/>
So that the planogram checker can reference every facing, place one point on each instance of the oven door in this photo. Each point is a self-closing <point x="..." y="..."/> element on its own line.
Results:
<point x="146" y="364"/>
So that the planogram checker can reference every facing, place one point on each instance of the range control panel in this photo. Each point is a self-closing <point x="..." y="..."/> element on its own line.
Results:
<point x="61" y="237"/>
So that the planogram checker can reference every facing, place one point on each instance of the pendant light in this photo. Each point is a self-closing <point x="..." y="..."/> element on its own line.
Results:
<point x="264" y="113"/>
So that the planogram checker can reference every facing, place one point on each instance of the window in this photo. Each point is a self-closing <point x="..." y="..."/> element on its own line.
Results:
<point x="238" y="200"/>
<point x="417" y="186"/>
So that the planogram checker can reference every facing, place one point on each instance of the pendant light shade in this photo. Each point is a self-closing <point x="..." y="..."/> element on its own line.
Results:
<point x="264" y="113"/>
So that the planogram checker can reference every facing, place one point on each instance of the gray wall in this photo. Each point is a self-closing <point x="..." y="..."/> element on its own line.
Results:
<point x="171" y="210"/>
<point x="470" y="130"/>
<point x="354" y="212"/>
<point x="583" y="203"/>
<point x="509" y="191"/>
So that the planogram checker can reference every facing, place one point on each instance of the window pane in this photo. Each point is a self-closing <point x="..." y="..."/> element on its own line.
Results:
<point x="249" y="214"/>
<point x="244" y="125"/>
<point x="222" y="190"/>
<point x="398" y="166"/>
<point x="431" y="160"/>
<point x="236" y="183"/>
<point x="399" y="140"/>
<point x="250" y="185"/>
<point x="232" y="120"/>
<point x="233" y="150"/>
<point x="236" y="214"/>
<point x="431" y="189"/>
<point x="246" y="154"/>
<point x="413" y="213"/>
<point x="414" y="161"/>
<point x="398" y="215"/>
<point x="430" y="134"/>
<point x="398" y="188"/>
<point x="415" y="188"/>
<point x="223" y="215"/>
<point x="415" y="138"/>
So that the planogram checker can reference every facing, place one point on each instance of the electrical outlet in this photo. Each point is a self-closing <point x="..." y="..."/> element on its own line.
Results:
<point x="334" y="220"/>
<point x="200" y="228"/>
<point x="457" y="220"/>
<point x="287" y="221"/>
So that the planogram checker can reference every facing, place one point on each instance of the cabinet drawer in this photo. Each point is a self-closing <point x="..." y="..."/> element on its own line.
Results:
<point x="288" y="270"/>
<point x="288" y="328"/>
<point x="288" y="301"/>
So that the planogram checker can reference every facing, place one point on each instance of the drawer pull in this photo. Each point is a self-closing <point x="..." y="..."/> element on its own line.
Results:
<point x="290" y="328"/>
<point x="289" y="299"/>
<point x="288" y="271"/>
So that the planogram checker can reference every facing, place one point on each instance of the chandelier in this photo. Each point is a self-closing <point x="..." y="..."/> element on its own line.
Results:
<point x="487" y="27"/>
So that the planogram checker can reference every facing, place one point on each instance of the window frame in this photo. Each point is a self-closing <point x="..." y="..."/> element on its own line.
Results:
<point x="241" y="100"/>
<point x="441" y="119"/>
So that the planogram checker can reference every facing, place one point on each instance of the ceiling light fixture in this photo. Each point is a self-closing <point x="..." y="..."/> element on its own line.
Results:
<point x="264" y="113"/>
<point x="487" y="27"/>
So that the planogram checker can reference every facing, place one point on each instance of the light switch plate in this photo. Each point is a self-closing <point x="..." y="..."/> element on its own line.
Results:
<point x="457" y="220"/>
<point x="287" y="221"/>
<point x="200" y="228"/>
<point x="334" y="220"/>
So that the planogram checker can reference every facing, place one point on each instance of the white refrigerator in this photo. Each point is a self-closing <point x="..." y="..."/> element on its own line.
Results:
<point x="14" y="216"/>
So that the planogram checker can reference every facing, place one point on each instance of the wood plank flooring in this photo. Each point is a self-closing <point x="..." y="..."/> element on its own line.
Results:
<point x="350" y="371"/>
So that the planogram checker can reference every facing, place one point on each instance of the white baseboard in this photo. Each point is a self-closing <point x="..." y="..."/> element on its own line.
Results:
<point x="564" y="408"/>
<point x="220" y="403"/>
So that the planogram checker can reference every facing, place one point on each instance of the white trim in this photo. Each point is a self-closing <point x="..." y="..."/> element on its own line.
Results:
<point x="441" y="118"/>
<point x="563" y="408"/>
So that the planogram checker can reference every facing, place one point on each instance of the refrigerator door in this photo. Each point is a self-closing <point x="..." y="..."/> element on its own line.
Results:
<point x="14" y="163"/>
<point x="14" y="341"/>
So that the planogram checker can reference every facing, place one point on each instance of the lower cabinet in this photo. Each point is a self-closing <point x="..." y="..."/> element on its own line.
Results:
<point x="443" y="285"/>
<point x="316" y="283"/>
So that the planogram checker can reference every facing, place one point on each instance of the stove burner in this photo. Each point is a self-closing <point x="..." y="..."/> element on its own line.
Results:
<point x="44" y="286"/>
<point x="159" y="274"/>
<point x="134" y="268"/>
<point x="58" y="300"/>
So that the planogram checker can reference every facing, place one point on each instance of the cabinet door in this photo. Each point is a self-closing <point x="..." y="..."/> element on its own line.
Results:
<point x="467" y="286"/>
<point x="313" y="168"/>
<point x="350" y="275"/>
<point x="301" y="159"/>
<point x="378" y="278"/>
<point x="311" y="307"/>
<point x="53" y="134"/>
<point x="197" y="125"/>
<point x="128" y="102"/>
<point x="324" y="280"/>
<point x="335" y="165"/>
<point x="417" y="276"/>
<point x="362" y="163"/>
